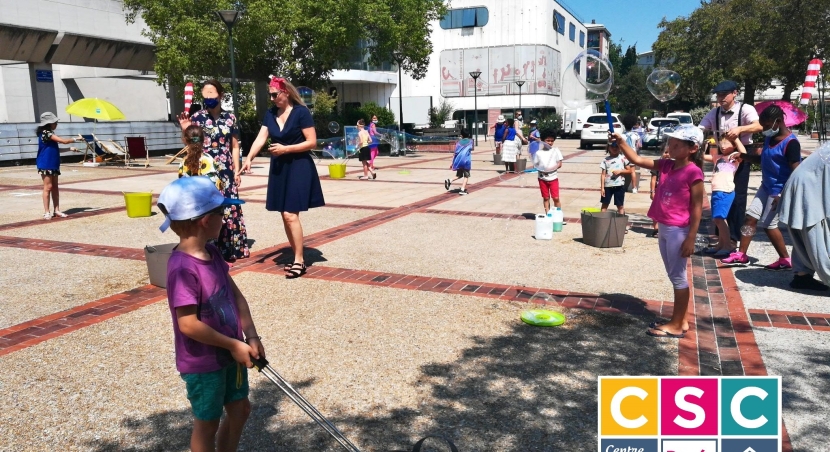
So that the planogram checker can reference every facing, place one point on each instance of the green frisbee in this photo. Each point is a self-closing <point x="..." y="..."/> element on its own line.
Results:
<point x="543" y="317"/>
<point x="403" y="172"/>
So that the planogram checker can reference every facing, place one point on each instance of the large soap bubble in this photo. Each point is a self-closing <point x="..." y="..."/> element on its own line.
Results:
<point x="587" y="79"/>
<point x="306" y="94"/>
<point x="334" y="127"/>
<point x="663" y="84"/>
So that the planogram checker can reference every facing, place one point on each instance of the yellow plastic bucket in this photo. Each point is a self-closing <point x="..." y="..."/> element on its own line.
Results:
<point x="138" y="204"/>
<point x="591" y="209"/>
<point x="337" y="171"/>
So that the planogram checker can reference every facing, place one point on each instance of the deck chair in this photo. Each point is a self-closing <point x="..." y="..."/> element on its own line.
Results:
<point x="92" y="149"/>
<point x="137" y="149"/>
<point x="179" y="155"/>
<point x="114" y="152"/>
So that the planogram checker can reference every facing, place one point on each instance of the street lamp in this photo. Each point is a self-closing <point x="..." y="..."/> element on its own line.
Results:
<point x="519" y="84"/>
<point x="475" y="75"/>
<point x="399" y="59"/>
<point x="230" y="17"/>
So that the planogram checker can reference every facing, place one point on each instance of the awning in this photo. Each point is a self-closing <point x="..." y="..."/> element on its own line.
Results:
<point x="81" y="50"/>
<point x="25" y="44"/>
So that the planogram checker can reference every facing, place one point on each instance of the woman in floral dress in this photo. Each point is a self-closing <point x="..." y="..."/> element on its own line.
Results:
<point x="222" y="143"/>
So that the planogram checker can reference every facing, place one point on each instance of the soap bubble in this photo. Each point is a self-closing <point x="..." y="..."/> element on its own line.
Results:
<point x="540" y="298"/>
<point x="587" y="79"/>
<point x="306" y="94"/>
<point x="334" y="127"/>
<point x="747" y="230"/>
<point x="663" y="84"/>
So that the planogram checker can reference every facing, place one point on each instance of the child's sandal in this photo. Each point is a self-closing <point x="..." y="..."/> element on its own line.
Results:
<point x="297" y="269"/>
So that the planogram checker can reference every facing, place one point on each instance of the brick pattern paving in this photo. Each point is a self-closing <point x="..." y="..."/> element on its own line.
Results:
<point x="40" y="221"/>
<point x="789" y="319"/>
<point x="72" y="248"/>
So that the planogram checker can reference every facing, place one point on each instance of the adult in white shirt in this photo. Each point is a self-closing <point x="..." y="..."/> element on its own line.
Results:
<point x="733" y="120"/>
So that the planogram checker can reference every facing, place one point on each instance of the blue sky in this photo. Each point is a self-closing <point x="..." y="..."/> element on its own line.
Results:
<point x="634" y="21"/>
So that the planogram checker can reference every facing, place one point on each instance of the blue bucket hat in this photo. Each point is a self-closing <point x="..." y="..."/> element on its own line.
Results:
<point x="190" y="197"/>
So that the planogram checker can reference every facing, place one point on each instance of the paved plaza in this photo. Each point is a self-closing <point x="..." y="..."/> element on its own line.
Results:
<point x="406" y="324"/>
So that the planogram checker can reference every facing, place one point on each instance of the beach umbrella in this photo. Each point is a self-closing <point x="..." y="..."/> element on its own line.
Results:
<point x="792" y="114"/>
<point x="94" y="108"/>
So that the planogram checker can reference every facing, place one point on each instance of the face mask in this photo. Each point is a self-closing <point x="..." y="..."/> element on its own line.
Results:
<point x="771" y="132"/>
<point x="211" y="103"/>
<point x="375" y="121"/>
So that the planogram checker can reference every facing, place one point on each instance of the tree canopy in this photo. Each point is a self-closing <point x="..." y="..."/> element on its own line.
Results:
<point x="302" y="40"/>
<point x="750" y="41"/>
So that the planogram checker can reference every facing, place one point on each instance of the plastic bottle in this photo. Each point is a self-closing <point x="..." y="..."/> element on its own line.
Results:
<point x="558" y="219"/>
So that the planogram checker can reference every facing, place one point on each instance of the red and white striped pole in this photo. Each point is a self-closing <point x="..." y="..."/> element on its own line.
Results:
<point x="813" y="70"/>
<point x="188" y="97"/>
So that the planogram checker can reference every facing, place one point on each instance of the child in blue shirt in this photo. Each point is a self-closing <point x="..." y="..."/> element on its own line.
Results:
<point x="461" y="162"/>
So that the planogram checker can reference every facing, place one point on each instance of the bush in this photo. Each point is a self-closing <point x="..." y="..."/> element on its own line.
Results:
<point x="365" y="112"/>
<point x="441" y="114"/>
<point x="698" y="113"/>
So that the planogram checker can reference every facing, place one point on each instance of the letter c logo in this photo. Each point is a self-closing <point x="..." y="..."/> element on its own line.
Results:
<point x="616" y="401"/>
<point x="735" y="407"/>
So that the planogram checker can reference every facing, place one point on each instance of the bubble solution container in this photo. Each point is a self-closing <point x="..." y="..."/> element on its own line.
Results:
<point x="558" y="218"/>
<point x="138" y="204"/>
<point x="544" y="227"/>
<point x="337" y="171"/>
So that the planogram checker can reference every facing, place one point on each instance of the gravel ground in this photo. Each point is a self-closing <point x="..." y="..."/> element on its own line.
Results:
<point x="803" y="359"/>
<point x="384" y="373"/>
<point x="264" y="227"/>
<point x="26" y="205"/>
<point x="54" y="284"/>
<point x="763" y="289"/>
<point x="519" y="260"/>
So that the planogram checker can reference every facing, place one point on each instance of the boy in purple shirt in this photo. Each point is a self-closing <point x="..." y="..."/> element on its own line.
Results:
<point x="214" y="334"/>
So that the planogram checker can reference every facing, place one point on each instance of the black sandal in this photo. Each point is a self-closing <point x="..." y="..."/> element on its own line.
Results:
<point x="297" y="269"/>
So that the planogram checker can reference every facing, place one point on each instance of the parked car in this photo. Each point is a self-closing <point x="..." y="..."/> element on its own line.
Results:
<point x="655" y="129"/>
<point x="684" y="118"/>
<point x="595" y="129"/>
<point x="574" y="118"/>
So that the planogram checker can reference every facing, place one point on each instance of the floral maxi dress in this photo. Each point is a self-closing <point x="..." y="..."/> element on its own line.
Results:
<point x="219" y="133"/>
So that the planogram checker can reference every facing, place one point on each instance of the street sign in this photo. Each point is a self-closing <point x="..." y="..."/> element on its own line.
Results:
<point x="44" y="76"/>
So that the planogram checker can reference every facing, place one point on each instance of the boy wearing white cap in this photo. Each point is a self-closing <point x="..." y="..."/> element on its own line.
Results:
<point x="213" y="331"/>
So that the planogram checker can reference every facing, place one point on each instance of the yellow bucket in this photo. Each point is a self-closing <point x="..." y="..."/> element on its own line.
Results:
<point x="591" y="209"/>
<point x="337" y="171"/>
<point x="138" y="204"/>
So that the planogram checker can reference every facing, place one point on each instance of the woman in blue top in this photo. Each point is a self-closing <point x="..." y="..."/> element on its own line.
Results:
<point x="49" y="162"/>
<point x="293" y="183"/>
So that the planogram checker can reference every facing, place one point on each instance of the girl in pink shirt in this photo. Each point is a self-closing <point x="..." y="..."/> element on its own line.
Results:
<point x="677" y="207"/>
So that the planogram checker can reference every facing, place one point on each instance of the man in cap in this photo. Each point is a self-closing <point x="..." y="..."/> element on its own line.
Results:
<point x="498" y="132"/>
<point x="733" y="120"/>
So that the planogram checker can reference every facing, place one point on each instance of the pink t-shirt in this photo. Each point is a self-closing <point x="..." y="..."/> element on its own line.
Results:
<point x="672" y="199"/>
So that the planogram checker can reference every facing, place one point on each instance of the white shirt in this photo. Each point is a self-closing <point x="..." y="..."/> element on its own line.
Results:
<point x="546" y="161"/>
<point x="729" y="120"/>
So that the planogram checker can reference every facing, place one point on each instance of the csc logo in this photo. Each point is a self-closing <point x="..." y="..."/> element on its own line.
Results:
<point x="689" y="406"/>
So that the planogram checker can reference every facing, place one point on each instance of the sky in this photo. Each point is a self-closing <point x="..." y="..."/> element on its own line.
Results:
<point x="634" y="21"/>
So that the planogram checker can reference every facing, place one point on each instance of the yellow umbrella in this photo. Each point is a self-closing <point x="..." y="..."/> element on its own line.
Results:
<point x="95" y="108"/>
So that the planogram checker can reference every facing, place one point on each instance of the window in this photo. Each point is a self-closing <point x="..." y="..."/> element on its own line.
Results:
<point x="559" y="22"/>
<point x="465" y="18"/>
<point x="581" y="39"/>
<point x="572" y="32"/>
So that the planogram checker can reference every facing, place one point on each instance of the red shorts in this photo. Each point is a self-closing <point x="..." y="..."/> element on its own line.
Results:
<point x="550" y="189"/>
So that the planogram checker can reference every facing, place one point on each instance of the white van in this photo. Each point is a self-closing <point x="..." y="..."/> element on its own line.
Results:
<point x="684" y="118"/>
<point x="573" y="119"/>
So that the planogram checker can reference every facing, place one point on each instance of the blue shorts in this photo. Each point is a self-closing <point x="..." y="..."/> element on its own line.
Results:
<point x="210" y="392"/>
<point x="618" y="193"/>
<point x="721" y="203"/>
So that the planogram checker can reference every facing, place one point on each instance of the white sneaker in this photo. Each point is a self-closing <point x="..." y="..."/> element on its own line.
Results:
<point x="634" y="190"/>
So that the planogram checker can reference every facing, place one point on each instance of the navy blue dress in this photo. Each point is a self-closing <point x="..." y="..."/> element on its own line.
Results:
<point x="293" y="183"/>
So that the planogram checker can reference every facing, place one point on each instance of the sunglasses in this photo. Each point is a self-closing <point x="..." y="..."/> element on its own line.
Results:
<point x="275" y="95"/>
<point x="217" y="211"/>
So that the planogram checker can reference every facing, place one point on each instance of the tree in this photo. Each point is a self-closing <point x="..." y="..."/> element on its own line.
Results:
<point x="631" y="96"/>
<point x="749" y="41"/>
<point x="302" y="40"/>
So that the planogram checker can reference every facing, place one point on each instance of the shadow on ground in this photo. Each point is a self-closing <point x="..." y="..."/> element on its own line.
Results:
<point x="534" y="389"/>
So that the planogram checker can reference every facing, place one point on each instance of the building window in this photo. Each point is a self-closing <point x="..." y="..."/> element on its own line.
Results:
<point x="572" y="32"/>
<point x="465" y="18"/>
<point x="559" y="22"/>
<point x="581" y="39"/>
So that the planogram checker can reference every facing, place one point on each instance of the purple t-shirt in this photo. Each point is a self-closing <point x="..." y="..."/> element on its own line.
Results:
<point x="672" y="199"/>
<point x="192" y="281"/>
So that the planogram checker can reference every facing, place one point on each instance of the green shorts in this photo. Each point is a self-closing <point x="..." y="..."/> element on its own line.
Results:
<point x="210" y="392"/>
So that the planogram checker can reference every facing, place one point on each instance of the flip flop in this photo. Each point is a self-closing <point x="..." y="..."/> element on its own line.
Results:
<point x="665" y="334"/>
<point x="655" y="326"/>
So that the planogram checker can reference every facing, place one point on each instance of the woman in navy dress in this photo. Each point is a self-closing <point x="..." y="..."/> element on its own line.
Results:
<point x="293" y="183"/>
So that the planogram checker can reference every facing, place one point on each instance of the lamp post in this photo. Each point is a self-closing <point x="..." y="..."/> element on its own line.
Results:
<point x="230" y="17"/>
<point x="475" y="75"/>
<point x="519" y="83"/>
<point x="399" y="59"/>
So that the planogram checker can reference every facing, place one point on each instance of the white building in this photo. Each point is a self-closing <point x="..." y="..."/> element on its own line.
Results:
<point x="508" y="42"/>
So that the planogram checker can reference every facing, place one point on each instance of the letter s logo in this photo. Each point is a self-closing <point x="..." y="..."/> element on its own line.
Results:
<point x="616" y="413"/>
<point x="680" y="402"/>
